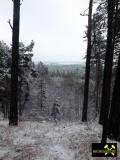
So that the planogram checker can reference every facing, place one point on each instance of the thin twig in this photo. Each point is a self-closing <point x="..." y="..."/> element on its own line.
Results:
<point x="84" y="14"/>
<point x="10" y="24"/>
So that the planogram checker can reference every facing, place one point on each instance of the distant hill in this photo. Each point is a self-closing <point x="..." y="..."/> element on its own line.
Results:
<point x="66" y="67"/>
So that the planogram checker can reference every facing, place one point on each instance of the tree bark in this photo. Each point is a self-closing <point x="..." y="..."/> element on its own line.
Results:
<point x="114" y="117"/>
<point x="13" y="119"/>
<point x="98" y="72"/>
<point x="87" y="69"/>
<point x="105" y="100"/>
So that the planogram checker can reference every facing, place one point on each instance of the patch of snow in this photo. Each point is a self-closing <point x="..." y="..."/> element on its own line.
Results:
<point x="47" y="141"/>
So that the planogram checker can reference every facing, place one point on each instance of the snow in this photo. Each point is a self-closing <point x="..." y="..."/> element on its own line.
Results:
<point x="47" y="141"/>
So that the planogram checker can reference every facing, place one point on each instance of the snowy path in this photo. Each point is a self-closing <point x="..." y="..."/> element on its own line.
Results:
<point x="46" y="141"/>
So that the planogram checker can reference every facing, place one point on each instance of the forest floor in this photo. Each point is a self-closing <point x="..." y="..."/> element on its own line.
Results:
<point x="48" y="141"/>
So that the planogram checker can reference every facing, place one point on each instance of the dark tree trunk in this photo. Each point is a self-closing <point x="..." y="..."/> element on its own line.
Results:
<point x="113" y="44"/>
<point x="87" y="69"/>
<point x="114" y="117"/>
<point x="7" y="98"/>
<point x="105" y="100"/>
<point x="98" y="77"/>
<point x="13" y="119"/>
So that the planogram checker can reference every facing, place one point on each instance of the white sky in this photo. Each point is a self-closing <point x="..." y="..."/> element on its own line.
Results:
<point x="55" y="25"/>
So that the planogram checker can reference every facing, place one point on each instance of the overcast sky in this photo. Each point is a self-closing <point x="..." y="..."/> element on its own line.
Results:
<point x="55" y="25"/>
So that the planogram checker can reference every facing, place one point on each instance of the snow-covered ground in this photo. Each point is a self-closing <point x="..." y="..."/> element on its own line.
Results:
<point x="47" y="141"/>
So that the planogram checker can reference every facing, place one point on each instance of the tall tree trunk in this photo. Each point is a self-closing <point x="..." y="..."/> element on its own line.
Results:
<point x="114" y="117"/>
<point x="13" y="119"/>
<point x="87" y="69"/>
<point x="105" y="100"/>
<point x="113" y="44"/>
<point x="98" y="77"/>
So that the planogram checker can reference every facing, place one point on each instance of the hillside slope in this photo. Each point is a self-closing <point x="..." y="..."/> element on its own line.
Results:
<point x="47" y="141"/>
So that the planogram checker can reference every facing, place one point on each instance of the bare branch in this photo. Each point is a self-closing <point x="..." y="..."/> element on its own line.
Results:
<point x="10" y="24"/>
<point x="84" y="14"/>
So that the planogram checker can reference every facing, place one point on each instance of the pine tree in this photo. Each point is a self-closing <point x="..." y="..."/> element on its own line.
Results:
<point x="87" y="69"/>
<point x="42" y="94"/>
<point x="25" y="66"/>
<point x="98" y="51"/>
<point x="4" y="78"/>
<point x="105" y="101"/>
<point x="114" y="117"/>
<point x="13" y="118"/>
